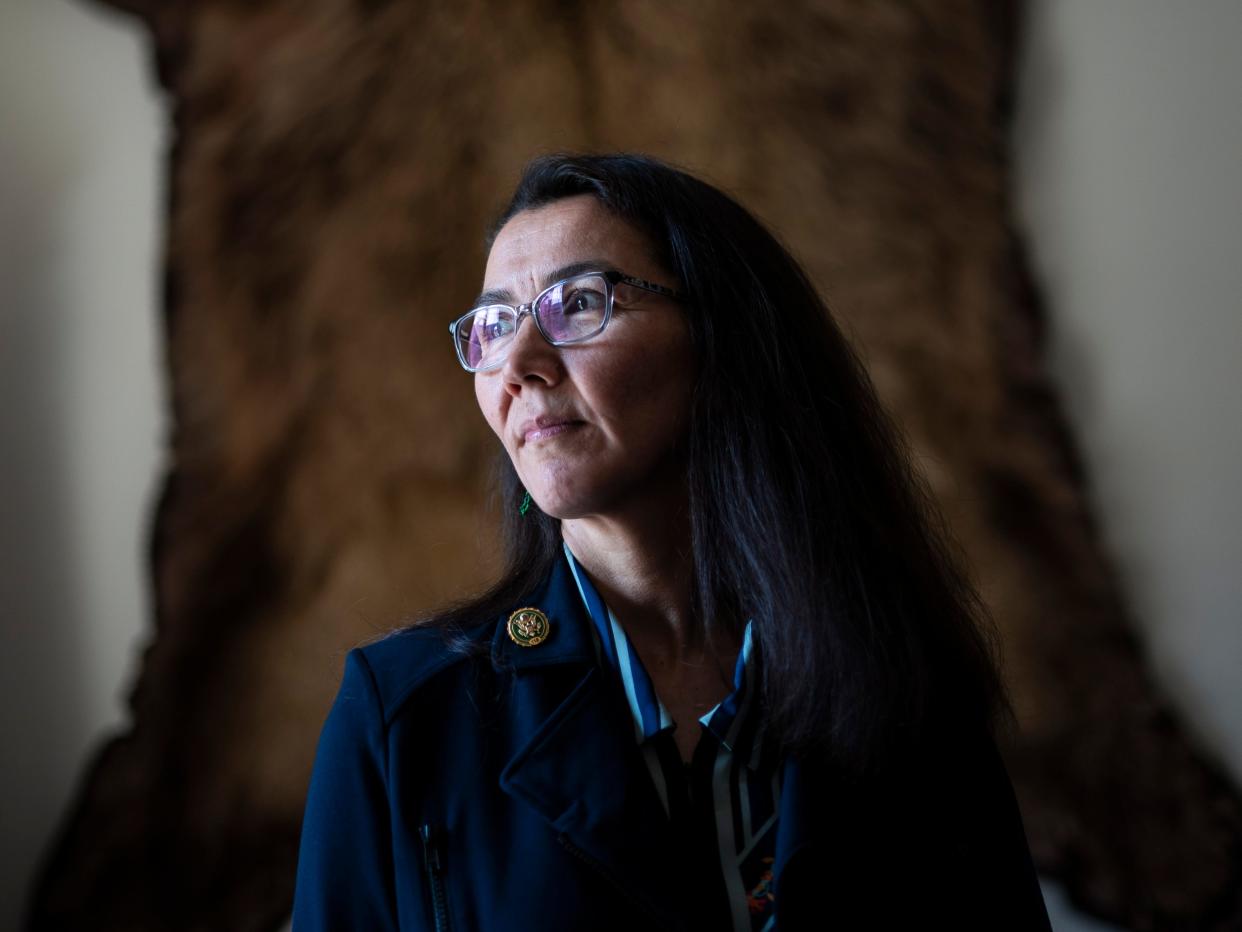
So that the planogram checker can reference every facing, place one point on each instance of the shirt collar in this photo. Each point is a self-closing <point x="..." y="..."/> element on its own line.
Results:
<point x="734" y="721"/>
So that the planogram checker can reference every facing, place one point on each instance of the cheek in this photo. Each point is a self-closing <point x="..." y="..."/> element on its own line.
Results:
<point x="654" y="380"/>
<point x="485" y="394"/>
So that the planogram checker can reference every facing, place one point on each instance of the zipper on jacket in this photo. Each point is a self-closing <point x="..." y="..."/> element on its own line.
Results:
<point x="599" y="868"/>
<point x="433" y="857"/>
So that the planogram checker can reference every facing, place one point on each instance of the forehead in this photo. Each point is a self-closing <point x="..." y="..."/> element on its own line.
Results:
<point x="533" y="244"/>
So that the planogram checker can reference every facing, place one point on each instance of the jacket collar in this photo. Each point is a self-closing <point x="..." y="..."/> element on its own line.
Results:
<point x="577" y="765"/>
<point x="569" y="638"/>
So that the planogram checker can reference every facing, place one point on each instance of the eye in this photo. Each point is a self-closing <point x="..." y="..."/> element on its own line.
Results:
<point x="496" y="329"/>
<point x="490" y="326"/>
<point x="582" y="300"/>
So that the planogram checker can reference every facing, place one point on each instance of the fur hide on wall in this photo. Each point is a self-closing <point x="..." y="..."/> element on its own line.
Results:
<point x="334" y="166"/>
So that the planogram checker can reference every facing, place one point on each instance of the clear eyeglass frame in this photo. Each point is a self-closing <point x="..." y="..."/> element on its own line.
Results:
<point x="462" y="327"/>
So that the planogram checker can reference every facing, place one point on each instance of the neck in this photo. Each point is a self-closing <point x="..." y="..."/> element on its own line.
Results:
<point x="640" y="560"/>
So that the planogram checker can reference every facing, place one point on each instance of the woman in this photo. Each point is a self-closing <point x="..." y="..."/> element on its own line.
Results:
<point x="732" y="677"/>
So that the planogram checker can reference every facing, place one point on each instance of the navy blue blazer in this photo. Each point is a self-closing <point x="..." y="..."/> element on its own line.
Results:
<point x="452" y="793"/>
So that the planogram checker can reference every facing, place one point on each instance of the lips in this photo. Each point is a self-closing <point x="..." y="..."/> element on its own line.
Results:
<point x="546" y="425"/>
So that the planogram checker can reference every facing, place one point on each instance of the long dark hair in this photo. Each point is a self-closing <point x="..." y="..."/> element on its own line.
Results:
<point x="805" y="513"/>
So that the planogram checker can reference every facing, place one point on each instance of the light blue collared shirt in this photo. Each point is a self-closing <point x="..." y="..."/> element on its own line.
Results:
<point x="744" y="784"/>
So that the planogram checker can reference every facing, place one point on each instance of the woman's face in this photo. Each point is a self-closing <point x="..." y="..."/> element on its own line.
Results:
<point x="622" y="398"/>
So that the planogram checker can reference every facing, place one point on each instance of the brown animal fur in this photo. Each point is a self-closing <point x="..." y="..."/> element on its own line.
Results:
<point x="335" y="164"/>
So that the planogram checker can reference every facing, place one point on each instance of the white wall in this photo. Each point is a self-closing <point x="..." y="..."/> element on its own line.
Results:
<point x="1130" y="155"/>
<point x="1129" y="151"/>
<point x="1128" y="146"/>
<point x="81" y="177"/>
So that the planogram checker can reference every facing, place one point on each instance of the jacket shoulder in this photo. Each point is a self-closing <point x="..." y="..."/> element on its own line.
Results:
<point x="400" y="662"/>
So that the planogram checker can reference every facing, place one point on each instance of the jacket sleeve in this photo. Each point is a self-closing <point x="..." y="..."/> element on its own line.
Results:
<point x="345" y="857"/>
<point x="1006" y="890"/>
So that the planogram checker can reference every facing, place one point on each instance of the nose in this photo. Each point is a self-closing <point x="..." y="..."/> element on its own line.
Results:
<point x="530" y="357"/>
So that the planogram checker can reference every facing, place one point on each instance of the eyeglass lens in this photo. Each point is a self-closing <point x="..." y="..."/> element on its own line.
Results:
<point x="571" y="310"/>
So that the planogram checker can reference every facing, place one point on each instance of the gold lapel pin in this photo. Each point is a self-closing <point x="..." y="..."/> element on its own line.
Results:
<point x="528" y="627"/>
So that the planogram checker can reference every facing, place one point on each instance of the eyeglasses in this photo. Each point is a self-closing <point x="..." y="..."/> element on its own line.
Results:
<point x="570" y="311"/>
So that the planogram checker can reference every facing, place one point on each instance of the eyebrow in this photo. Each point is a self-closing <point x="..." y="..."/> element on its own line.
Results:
<point x="505" y="296"/>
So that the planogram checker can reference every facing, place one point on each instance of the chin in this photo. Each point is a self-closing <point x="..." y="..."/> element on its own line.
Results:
<point x="561" y="490"/>
<point x="568" y="503"/>
<point x="561" y="509"/>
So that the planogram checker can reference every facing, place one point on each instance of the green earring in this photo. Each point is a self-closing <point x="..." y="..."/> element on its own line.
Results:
<point x="525" y="506"/>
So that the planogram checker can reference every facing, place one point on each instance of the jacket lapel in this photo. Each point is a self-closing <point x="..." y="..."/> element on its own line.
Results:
<point x="576" y="763"/>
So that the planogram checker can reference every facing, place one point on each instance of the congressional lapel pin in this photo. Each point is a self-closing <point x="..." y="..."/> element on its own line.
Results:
<point x="528" y="627"/>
